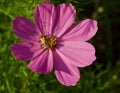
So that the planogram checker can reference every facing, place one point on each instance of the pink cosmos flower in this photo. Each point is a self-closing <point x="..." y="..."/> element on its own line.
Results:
<point x="53" y="43"/>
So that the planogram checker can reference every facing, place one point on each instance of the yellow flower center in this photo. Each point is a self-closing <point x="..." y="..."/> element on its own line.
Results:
<point x="48" y="42"/>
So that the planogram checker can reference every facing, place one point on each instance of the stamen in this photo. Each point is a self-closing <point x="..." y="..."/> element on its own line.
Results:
<point x="48" y="42"/>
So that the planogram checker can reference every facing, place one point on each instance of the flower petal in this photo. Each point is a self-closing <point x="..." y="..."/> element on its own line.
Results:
<point x="24" y="50"/>
<point x="66" y="14"/>
<point x="77" y="53"/>
<point x="83" y="31"/>
<point x="25" y="30"/>
<point x="45" y="16"/>
<point x="42" y="64"/>
<point x="66" y="73"/>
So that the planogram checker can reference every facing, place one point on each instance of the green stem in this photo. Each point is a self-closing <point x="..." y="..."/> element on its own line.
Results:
<point x="27" y="83"/>
<point x="6" y="13"/>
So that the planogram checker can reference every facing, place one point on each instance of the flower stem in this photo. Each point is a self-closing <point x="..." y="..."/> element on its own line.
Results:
<point x="27" y="83"/>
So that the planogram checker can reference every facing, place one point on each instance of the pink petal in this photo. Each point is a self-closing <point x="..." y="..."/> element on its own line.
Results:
<point x="66" y="73"/>
<point x="66" y="14"/>
<point x="83" y="31"/>
<point x="42" y="64"/>
<point x="77" y="53"/>
<point x="25" y="50"/>
<point x="45" y="16"/>
<point x="25" y="30"/>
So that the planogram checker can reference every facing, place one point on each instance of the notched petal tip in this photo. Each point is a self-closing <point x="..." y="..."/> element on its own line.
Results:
<point x="25" y="29"/>
<point x="93" y="23"/>
<point x="80" y="54"/>
<point x="72" y="7"/>
<point x="43" y="3"/>
<point x="22" y="51"/>
<point x="67" y="79"/>
<point x="66" y="73"/>
<point x="17" y="19"/>
<point x="66" y="14"/>
<point x="15" y="54"/>
<point x="83" y="30"/>
<point x="14" y="22"/>
<point x="44" y="17"/>
<point x="68" y="6"/>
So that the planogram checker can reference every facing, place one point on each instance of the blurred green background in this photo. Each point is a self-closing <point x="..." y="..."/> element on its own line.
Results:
<point x="101" y="77"/>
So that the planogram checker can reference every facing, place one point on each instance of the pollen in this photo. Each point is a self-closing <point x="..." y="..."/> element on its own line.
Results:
<point x="48" y="42"/>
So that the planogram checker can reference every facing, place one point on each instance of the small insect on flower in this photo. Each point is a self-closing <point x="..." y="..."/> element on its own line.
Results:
<point x="54" y="43"/>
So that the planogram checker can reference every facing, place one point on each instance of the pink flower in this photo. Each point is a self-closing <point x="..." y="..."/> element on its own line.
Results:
<point x="54" y="43"/>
